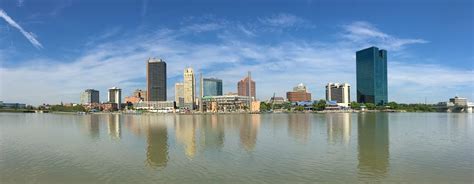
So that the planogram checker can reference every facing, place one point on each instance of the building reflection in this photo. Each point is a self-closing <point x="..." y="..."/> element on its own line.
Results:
<point x="373" y="141"/>
<point x="92" y="126"/>
<point x="113" y="123"/>
<point x="212" y="132"/>
<point x="338" y="127"/>
<point x="157" y="141"/>
<point x="185" y="131"/>
<point x="249" y="126"/>
<point x="299" y="126"/>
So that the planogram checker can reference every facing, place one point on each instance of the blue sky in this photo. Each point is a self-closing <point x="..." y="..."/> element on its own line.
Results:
<point x="50" y="51"/>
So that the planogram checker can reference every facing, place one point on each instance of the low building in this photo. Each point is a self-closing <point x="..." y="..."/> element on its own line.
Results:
<point x="340" y="93"/>
<point x="137" y="96"/>
<point x="277" y="100"/>
<point x="458" y="101"/>
<point x="156" y="106"/>
<point x="108" y="106"/>
<point x="12" y="105"/>
<point x="299" y="93"/>
<point x="255" y="107"/>
<point x="226" y="103"/>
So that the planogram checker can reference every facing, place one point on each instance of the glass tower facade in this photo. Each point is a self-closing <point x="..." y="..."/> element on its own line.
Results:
<point x="156" y="80"/>
<point x="372" y="76"/>
<point x="212" y="87"/>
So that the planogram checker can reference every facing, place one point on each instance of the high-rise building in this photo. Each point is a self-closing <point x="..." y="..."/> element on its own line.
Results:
<point x="90" y="96"/>
<point x="243" y="87"/>
<point x="189" y="88"/>
<point x="212" y="87"/>
<point x="340" y="93"/>
<point x="115" y="96"/>
<point x="372" y="76"/>
<point x="156" y="80"/>
<point x="299" y="94"/>
<point x="179" y="94"/>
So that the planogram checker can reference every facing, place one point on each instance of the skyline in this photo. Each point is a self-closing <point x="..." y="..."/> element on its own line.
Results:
<point x="282" y="44"/>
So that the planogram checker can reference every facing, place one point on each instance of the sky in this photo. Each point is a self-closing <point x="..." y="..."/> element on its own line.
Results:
<point x="52" y="50"/>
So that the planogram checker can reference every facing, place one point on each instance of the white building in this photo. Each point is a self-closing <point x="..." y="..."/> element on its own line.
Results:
<point x="340" y="93"/>
<point x="115" y="96"/>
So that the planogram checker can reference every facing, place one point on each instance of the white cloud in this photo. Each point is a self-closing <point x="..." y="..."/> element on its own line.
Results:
<point x="29" y="35"/>
<point x="276" y="68"/>
<point x="364" y="32"/>
<point x="282" y="20"/>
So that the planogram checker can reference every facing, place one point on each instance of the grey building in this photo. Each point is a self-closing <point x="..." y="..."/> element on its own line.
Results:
<point x="212" y="87"/>
<point x="156" y="80"/>
<point x="90" y="96"/>
<point x="371" y="67"/>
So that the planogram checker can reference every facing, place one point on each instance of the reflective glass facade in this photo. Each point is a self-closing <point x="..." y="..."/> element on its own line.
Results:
<point x="372" y="76"/>
<point x="212" y="87"/>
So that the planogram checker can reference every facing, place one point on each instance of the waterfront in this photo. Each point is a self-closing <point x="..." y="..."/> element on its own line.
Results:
<point x="250" y="148"/>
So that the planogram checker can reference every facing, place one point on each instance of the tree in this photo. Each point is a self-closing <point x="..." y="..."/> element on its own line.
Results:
<point x="355" y="105"/>
<point x="264" y="107"/>
<point x="320" y="105"/>
<point x="299" y="108"/>
<point x="370" y="106"/>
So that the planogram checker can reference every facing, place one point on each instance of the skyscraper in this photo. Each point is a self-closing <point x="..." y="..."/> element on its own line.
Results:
<point x="212" y="87"/>
<point x="189" y="88"/>
<point x="372" y="76"/>
<point x="90" y="96"/>
<point x="115" y="96"/>
<point x="179" y="94"/>
<point x="339" y="93"/>
<point x="156" y="80"/>
<point x="243" y="87"/>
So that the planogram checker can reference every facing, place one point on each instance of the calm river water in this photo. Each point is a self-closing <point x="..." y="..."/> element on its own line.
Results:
<point x="237" y="148"/>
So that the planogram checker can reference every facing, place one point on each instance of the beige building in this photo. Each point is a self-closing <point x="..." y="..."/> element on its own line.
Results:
<point x="189" y="88"/>
<point x="179" y="94"/>
<point x="340" y="93"/>
<point x="115" y="96"/>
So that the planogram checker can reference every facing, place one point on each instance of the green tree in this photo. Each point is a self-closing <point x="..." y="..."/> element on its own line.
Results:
<point x="299" y="108"/>
<point x="355" y="105"/>
<point x="320" y="105"/>
<point x="264" y="107"/>
<point x="370" y="106"/>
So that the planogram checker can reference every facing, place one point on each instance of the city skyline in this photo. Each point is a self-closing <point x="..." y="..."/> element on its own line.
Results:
<point x="281" y="45"/>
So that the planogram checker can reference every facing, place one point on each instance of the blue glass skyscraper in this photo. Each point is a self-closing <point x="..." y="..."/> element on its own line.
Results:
<point x="372" y="76"/>
<point x="212" y="87"/>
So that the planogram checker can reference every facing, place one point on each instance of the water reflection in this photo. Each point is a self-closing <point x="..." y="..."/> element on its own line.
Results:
<point x="92" y="126"/>
<point x="113" y="122"/>
<point x="373" y="140"/>
<point x="249" y="125"/>
<point x="185" y="131"/>
<point x="299" y="126"/>
<point x="157" y="141"/>
<point x="338" y="127"/>
<point x="212" y="132"/>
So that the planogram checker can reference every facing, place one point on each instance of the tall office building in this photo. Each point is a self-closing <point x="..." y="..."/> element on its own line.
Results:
<point x="179" y="94"/>
<point x="372" y="76"/>
<point x="212" y="87"/>
<point x="189" y="88"/>
<point x="340" y="93"/>
<point x="115" y="96"/>
<point x="90" y="96"/>
<point x="299" y="94"/>
<point x="156" y="80"/>
<point x="243" y="87"/>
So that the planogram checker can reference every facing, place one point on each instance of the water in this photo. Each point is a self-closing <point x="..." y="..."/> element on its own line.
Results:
<point x="237" y="148"/>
